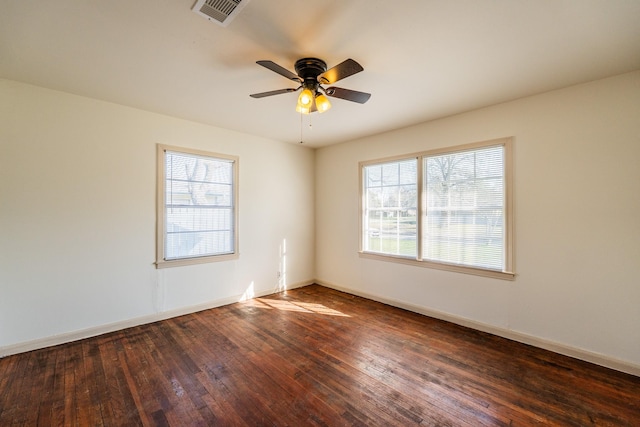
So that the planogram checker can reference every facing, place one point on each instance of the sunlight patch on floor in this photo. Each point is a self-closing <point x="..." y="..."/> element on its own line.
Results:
<point x="302" y="307"/>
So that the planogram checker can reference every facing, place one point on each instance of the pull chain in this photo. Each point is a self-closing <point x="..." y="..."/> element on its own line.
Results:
<point x="302" y="125"/>
<point x="301" y="141"/>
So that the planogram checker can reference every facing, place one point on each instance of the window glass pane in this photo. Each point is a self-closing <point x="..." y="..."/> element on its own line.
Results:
<point x="199" y="206"/>
<point x="465" y="208"/>
<point x="390" y="173"/>
<point x="374" y="176"/>
<point x="390" y="194"/>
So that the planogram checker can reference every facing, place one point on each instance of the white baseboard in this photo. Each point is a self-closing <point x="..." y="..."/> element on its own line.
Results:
<point x="117" y="326"/>
<point x="576" y="353"/>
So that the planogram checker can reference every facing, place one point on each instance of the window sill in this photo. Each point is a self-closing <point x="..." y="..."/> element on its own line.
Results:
<point x="503" y="275"/>
<point x="193" y="261"/>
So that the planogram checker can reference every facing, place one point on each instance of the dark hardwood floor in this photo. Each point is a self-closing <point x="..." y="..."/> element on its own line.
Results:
<point x="310" y="356"/>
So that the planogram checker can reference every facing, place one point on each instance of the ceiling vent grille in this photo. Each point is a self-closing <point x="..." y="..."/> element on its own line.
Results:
<point x="220" y="11"/>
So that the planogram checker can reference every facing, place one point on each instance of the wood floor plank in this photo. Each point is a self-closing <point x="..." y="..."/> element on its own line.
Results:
<point x="18" y="412"/>
<point x="121" y="405"/>
<point x="309" y="357"/>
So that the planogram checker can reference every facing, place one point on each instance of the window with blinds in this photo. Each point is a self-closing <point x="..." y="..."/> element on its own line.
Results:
<point x="197" y="206"/>
<point x="447" y="208"/>
<point x="464" y="215"/>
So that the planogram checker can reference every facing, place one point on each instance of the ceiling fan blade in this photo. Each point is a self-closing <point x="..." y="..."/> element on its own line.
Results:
<point x="280" y="70"/>
<point x="348" y="94"/>
<point x="272" y="92"/>
<point x="343" y="70"/>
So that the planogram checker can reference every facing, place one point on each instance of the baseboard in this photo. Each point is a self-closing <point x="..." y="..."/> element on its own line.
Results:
<point x="576" y="353"/>
<point x="117" y="326"/>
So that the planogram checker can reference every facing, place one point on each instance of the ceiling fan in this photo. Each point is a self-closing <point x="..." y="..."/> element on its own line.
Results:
<point x="311" y="74"/>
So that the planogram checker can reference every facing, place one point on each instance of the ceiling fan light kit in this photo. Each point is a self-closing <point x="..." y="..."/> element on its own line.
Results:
<point x="311" y="74"/>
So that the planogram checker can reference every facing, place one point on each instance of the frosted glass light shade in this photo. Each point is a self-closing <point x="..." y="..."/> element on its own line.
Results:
<point x="322" y="103"/>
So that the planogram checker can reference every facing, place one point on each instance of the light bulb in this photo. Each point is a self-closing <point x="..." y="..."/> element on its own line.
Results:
<point x="305" y="99"/>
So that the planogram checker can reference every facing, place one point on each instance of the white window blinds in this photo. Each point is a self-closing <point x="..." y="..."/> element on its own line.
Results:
<point x="464" y="215"/>
<point x="199" y="206"/>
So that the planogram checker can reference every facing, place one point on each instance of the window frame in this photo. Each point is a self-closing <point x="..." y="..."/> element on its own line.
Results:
<point x="508" y="273"/>
<point x="161" y="208"/>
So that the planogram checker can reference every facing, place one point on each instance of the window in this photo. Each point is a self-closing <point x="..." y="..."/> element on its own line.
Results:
<point x="197" y="207"/>
<point x="391" y="205"/>
<point x="449" y="209"/>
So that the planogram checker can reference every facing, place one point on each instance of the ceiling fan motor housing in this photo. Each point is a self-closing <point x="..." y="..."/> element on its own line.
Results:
<point x="309" y="69"/>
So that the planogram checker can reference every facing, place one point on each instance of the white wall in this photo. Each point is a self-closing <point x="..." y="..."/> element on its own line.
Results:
<point x="77" y="216"/>
<point x="577" y="217"/>
<point x="77" y="219"/>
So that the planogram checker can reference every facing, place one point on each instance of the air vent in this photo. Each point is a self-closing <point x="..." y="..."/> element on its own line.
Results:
<point x="220" y="11"/>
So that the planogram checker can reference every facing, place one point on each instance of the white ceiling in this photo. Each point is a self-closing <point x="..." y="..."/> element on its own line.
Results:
<point x="422" y="59"/>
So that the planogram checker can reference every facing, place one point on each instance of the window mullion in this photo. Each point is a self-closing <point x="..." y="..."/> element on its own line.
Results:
<point x="420" y="206"/>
